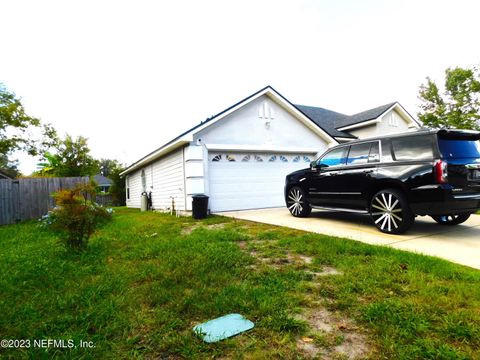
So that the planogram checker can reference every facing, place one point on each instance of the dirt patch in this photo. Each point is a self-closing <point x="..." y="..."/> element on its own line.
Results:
<point x="309" y="349"/>
<point x="341" y="337"/>
<point x="242" y="245"/>
<point x="326" y="271"/>
<point x="188" y="230"/>
<point x="332" y="336"/>
<point x="354" y="346"/>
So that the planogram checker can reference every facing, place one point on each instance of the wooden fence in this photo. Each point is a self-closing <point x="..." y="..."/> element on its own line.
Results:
<point x="24" y="199"/>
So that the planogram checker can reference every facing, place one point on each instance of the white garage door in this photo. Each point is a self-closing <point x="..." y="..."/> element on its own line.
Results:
<point x="250" y="181"/>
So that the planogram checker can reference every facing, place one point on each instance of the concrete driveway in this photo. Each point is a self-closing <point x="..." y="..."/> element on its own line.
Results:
<point x="460" y="243"/>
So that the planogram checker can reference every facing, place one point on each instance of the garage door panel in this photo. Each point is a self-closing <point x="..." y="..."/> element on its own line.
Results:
<point x="251" y="183"/>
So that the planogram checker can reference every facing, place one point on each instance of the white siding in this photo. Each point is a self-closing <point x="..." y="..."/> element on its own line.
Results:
<point x="165" y="179"/>
<point x="135" y="185"/>
<point x="246" y="127"/>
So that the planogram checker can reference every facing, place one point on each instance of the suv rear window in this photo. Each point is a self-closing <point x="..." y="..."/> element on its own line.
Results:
<point x="412" y="148"/>
<point x="456" y="149"/>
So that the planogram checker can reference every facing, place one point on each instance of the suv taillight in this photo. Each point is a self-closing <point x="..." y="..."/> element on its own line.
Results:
<point x="441" y="176"/>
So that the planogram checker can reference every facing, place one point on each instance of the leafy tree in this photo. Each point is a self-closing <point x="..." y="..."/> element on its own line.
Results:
<point x="71" y="159"/>
<point x="107" y="166"/>
<point x="14" y="122"/>
<point x="15" y="126"/>
<point x="9" y="167"/>
<point x="459" y="105"/>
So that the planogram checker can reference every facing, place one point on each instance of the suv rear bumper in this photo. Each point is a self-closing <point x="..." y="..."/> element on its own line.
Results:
<point x="442" y="200"/>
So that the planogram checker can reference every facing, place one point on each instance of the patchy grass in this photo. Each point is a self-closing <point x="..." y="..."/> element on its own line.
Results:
<point x="148" y="278"/>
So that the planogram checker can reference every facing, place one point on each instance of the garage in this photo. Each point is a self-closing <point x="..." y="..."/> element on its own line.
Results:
<point x="251" y="180"/>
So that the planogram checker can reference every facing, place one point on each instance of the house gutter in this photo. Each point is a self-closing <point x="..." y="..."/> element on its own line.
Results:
<point x="157" y="154"/>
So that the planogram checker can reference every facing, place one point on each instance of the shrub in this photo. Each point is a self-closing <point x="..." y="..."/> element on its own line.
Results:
<point x="76" y="217"/>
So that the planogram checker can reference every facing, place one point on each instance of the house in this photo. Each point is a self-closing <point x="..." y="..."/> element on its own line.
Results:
<point x="240" y="157"/>
<point x="103" y="182"/>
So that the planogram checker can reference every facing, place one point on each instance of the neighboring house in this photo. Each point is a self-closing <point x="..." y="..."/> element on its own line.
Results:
<point x="240" y="157"/>
<point x="4" y="175"/>
<point x="103" y="182"/>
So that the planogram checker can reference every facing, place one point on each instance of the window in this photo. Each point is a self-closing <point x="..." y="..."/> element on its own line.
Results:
<point x="272" y="158"/>
<point x="456" y="149"/>
<point x="230" y="158"/>
<point x="283" y="158"/>
<point x="128" y="187"/>
<point x="144" y="181"/>
<point x="374" y="155"/>
<point x="258" y="158"/>
<point x="364" y="153"/>
<point x="246" y="158"/>
<point x="412" y="148"/>
<point x="306" y="159"/>
<point x="217" y="158"/>
<point x="296" y="158"/>
<point x="335" y="157"/>
<point x="359" y="154"/>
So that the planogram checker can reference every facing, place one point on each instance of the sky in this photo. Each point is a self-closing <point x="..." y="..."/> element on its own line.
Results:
<point x="132" y="75"/>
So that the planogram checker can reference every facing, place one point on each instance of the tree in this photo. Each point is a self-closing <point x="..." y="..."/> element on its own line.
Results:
<point x="107" y="166"/>
<point x="9" y="167"/>
<point x="459" y="105"/>
<point x="15" y="134"/>
<point x="71" y="159"/>
<point x="14" y="121"/>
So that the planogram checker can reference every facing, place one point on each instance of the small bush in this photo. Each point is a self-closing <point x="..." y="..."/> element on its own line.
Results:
<point x="76" y="217"/>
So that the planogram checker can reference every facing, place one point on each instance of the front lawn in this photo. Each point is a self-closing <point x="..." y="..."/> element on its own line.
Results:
<point x="148" y="278"/>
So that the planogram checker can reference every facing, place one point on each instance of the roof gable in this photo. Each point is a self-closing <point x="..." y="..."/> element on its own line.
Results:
<point x="187" y="136"/>
<point x="366" y="115"/>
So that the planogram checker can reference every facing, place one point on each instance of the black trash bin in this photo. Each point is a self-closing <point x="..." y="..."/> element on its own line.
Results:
<point x="199" y="206"/>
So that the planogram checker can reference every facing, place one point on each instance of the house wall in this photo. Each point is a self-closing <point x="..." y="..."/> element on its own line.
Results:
<point x="164" y="178"/>
<point x="390" y="123"/>
<point x="246" y="127"/>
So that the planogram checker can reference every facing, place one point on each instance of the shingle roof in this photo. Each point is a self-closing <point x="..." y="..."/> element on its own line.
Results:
<point x="326" y="119"/>
<point x="363" y="116"/>
<point x="102" y="180"/>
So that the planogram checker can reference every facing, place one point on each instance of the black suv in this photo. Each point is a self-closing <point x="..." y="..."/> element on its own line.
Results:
<point x="394" y="178"/>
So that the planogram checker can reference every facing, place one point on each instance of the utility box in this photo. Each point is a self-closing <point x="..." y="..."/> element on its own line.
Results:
<point x="199" y="206"/>
<point x="144" y="202"/>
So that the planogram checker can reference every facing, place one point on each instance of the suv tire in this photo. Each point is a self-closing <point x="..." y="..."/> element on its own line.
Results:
<point x="297" y="202"/>
<point x="451" y="219"/>
<point x="390" y="211"/>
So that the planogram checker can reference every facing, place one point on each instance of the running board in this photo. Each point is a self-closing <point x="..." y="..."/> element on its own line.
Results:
<point x="340" y="209"/>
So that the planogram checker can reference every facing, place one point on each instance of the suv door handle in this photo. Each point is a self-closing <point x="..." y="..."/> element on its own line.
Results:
<point x="334" y="173"/>
<point x="368" y="171"/>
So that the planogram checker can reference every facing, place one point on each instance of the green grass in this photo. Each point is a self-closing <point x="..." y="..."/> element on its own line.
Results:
<point x="144" y="283"/>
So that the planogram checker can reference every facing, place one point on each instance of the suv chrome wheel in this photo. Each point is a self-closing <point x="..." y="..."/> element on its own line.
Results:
<point x="390" y="212"/>
<point x="297" y="203"/>
<point x="451" y="219"/>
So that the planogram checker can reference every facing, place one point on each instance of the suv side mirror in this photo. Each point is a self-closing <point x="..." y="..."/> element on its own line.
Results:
<point x="314" y="166"/>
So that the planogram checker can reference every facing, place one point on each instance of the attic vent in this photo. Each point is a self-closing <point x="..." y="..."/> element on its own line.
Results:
<point x="265" y="111"/>
<point x="392" y="120"/>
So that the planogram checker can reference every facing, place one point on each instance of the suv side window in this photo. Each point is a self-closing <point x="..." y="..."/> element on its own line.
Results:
<point x="374" y="155"/>
<point x="412" y="148"/>
<point x="363" y="153"/>
<point x="336" y="157"/>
